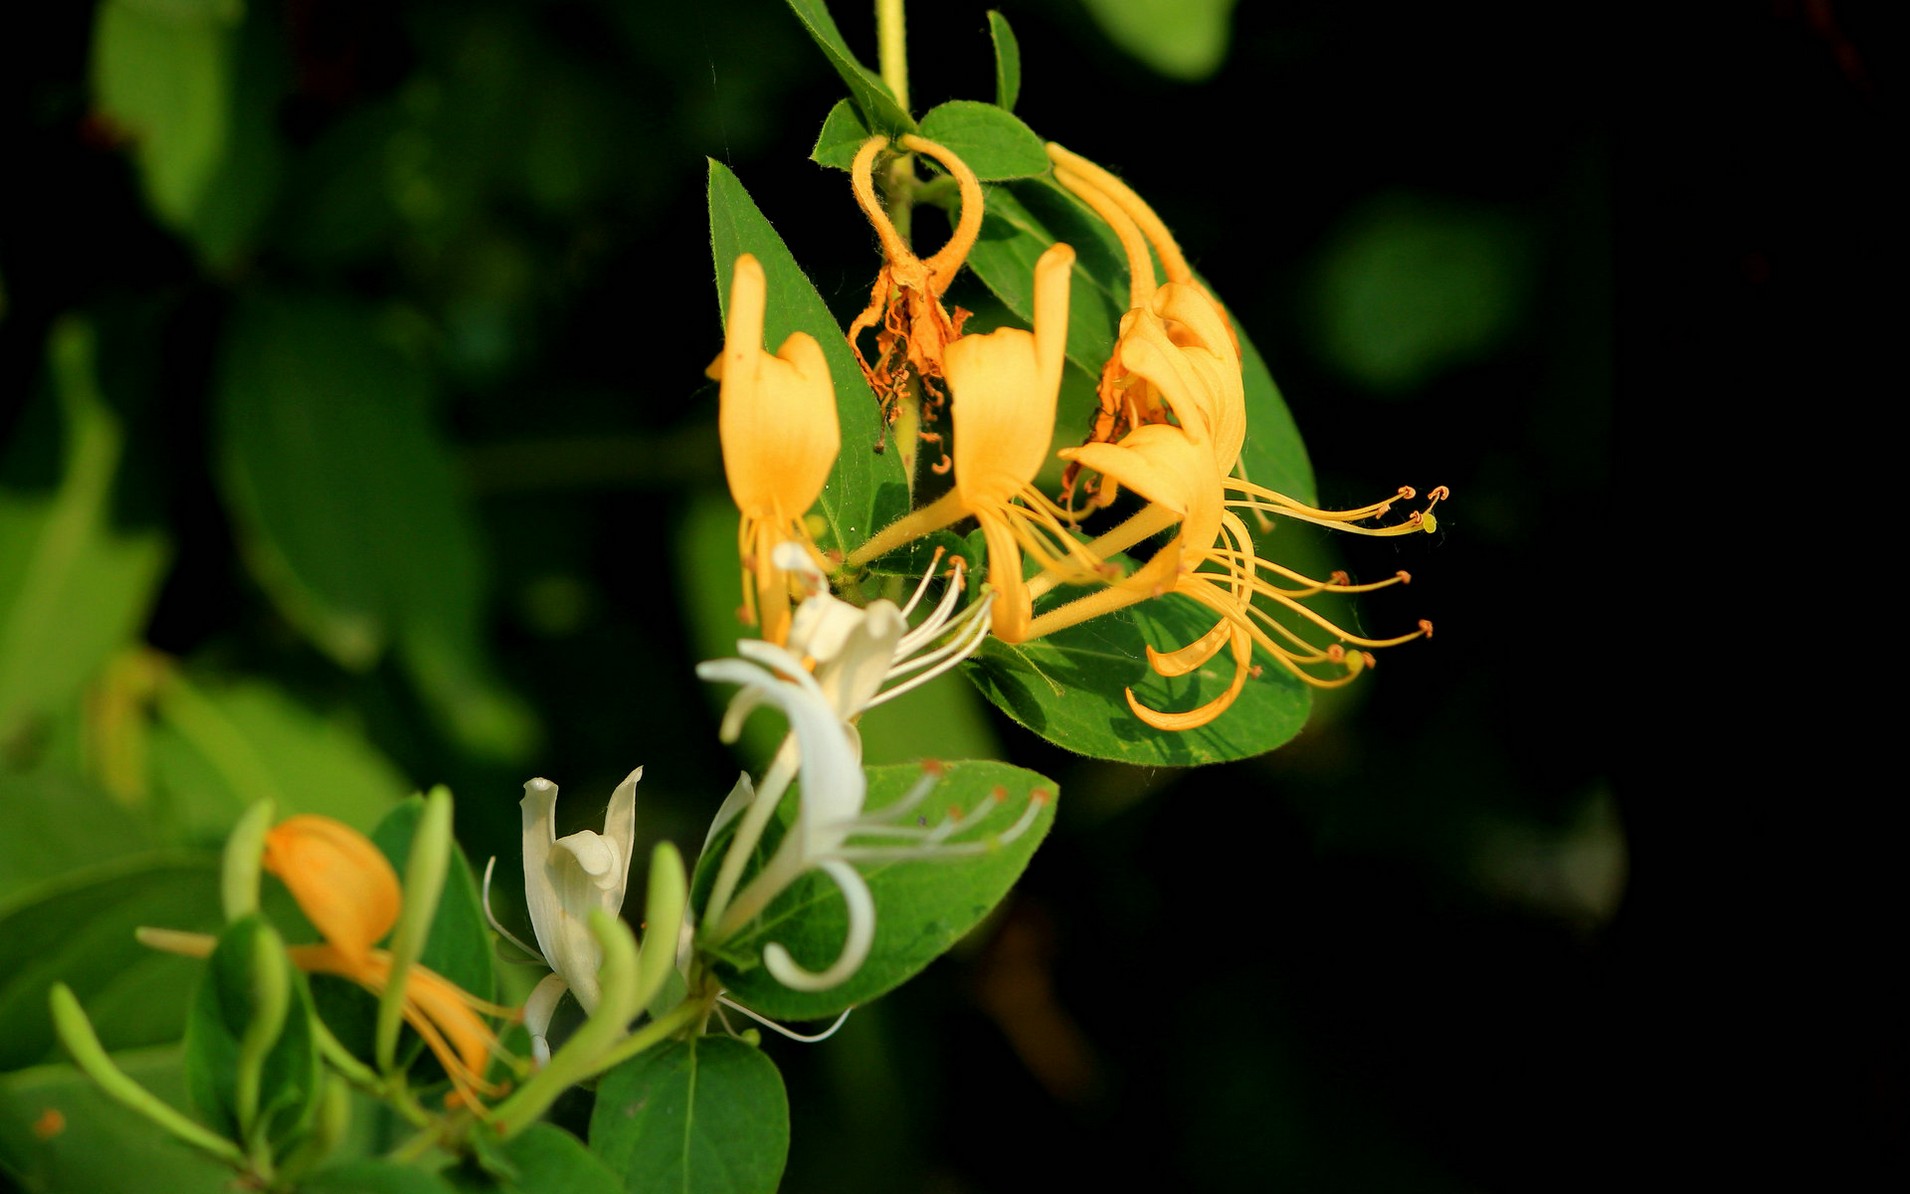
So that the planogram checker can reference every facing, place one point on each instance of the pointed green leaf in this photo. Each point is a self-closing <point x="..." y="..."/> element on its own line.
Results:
<point x="1182" y="39"/>
<point x="866" y="488"/>
<point x="707" y="1116"/>
<point x="868" y="90"/>
<point x="1007" y="60"/>
<point x="923" y="906"/>
<point x="842" y="135"/>
<point x="162" y="73"/>
<point x="993" y="142"/>
<point x="459" y="947"/>
<point x="73" y="589"/>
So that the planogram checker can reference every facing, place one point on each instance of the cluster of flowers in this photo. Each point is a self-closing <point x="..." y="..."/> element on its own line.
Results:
<point x="1170" y="428"/>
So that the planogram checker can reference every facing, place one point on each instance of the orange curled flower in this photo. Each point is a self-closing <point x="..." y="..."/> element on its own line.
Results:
<point x="777" y="421"/>
<point x="905" y="306"/>
<point x="347" y="889"/>
<point x="1004" y="386"/>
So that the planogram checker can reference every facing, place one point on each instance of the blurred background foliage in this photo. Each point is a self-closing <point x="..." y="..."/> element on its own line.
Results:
<point x="356" y="439"/>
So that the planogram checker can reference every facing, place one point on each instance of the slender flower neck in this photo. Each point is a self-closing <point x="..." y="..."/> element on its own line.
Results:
<point x="905" y="309"/>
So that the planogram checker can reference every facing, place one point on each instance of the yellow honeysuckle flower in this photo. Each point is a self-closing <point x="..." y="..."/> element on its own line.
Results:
<point x="1174" y="472"/>
<point x="1004" y="386"/>
<point x="347" y="889"/>
<point x="1176" y="352"/>
<point x="777" y="421"/>
<point x="905" y="308"/>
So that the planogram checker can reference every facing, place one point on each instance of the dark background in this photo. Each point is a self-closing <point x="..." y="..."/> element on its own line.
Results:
<point x="1435" y="943"/>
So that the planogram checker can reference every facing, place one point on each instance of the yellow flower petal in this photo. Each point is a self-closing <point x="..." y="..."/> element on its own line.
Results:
<point x="342" y="882"/>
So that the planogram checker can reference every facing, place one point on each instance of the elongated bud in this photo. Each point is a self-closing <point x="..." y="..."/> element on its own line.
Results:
<point x="82" y="1045"/>
<point x="424" y="882"/>
<point x="668" y="896"/>
<point x="271" y="996"/>
<point x="244" y="858"/>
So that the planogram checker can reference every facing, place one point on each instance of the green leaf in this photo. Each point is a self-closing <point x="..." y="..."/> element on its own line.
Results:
<point x="866" y="489"/>
<point x="868" y="90"/>
<point x="842" y="135"/>
<point x="73" y="589"/>
<point x="218" y="747"/>
<point x="1068" y="688"/>
<point x="923" y="906"/>
<point x="1007" y="61"/>
<point x="162" y="74"/>
<point x="79" y="930"/>
<point x="61" y="1133"/>
<point x="707" y="1115"/>
<point x="541" y="1158"/>
<point x="229" y="1004"/>
<point x="349" y="510"/>
<point x="1182" y="39"/>
<point x="53" y="822"/>
<point x="368" y="1176"/>
<point x="995" y="144"/>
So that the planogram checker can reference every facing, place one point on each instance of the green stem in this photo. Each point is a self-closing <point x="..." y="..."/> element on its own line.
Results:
<point x="892" y="49"/>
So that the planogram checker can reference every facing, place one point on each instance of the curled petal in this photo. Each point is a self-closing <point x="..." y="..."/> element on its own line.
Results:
<point x="855" y="946"/>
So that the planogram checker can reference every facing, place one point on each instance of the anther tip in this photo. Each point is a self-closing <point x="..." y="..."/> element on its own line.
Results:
<point x="1425" y="627"/>
<point x="999" y="794"/>
<point x="934" y="767"/>
<point x="1040" y="796"/>
<point x="1439" y="493"/>
<point x="1405" y="577"/>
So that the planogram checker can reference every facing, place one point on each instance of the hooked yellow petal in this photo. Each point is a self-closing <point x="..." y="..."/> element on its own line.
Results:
<point x="342" y="882"/>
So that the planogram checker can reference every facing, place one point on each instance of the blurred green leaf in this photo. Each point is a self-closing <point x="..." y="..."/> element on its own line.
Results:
<point x="367" y="1176"/>
<point x="541" y="1158"/>
<point x="162" y="73"/>
<point x="53" y="822"/>
<point x="707" y="1115"/>
<point x="865" y="488"/>
<point x="870" y="93"/>
<point x="1182" y="39"/>
<point x="1046" y="685"/>
<point x="78" y="930"/>
<point x="226" y="1006"/>
<point x="1409" y="287"/>
<point x="72" y="589"/>
<point x="923" y="906"/>
<point x="244" y="184"/>
<point x="59" y="1133"/>
<point x="1007" y="61"/>
<point x="349" y="512"/>
<point x="843" y="132"/>
<point x="992" y="141"/>
<point x="218" y="747"/>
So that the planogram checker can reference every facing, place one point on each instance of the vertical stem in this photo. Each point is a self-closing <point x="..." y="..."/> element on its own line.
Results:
<point x="898" y="184"/>
<point x="892" y="49"/>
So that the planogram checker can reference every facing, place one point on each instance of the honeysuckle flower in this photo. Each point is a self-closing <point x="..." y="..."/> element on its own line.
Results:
<point x="564" y="879"/>
<point x="1004" y="385"/>
<point x="856" y="658"/>
<point x="912" y="326"/>
<point x="1212" y="560"/>
<point x="348" y="890"/>
<point x="780" y="434"/>
<point x="829" y="814"/>
<point x="1176" y="354"/>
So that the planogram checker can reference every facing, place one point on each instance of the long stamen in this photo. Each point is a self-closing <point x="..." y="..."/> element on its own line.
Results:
<point x="497" y="925"/>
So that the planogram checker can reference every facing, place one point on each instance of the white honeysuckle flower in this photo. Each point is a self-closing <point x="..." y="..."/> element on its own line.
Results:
<point x="564" y="879"/>
<point x="827" y="816"/>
